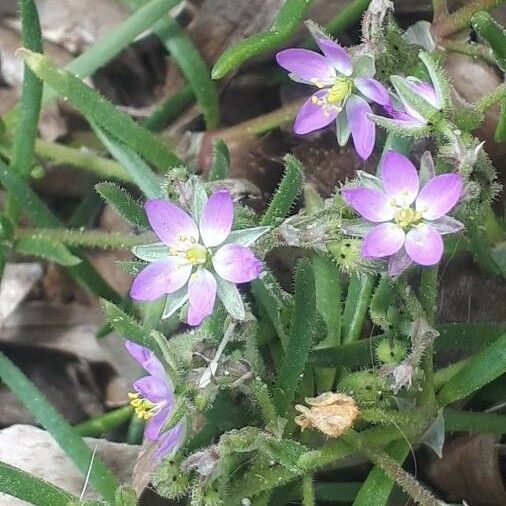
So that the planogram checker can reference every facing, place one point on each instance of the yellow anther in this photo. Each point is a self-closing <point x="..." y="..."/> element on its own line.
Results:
<point x="339" y="91"/>
<point x="133" y="395"/>
<point x="144" y="408"/>
<point x="407" y="217"/>
<point x="196" y="254"/>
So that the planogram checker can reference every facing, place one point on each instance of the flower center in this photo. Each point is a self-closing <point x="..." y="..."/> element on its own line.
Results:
<point x="196" y="255"/>
<point x="144" y="408"/>
<point x="407" y="217"/>
<point x="335" y="96"/>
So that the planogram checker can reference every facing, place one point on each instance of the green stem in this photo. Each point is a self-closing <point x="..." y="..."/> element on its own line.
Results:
<point x="87" y="238"/>
<point x="445" y="374"/>
<point x="96" y="427"/>
<point x="491" y="98"/>
<point x="467" y="421"/>
<point x="428" y="299"/>
<point x="471" y="49"/>
<point x="308" y="497"/>
<point x="461" y="18"/>
<point x="82" y="158"/>
<point x="263" y="399"/>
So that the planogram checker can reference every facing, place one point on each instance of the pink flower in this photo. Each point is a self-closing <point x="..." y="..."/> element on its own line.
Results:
<point x="403" y="222"/>
<point x="342" y="84"/>
<point x="196" y="262"/>
<point x="154" y="401"/>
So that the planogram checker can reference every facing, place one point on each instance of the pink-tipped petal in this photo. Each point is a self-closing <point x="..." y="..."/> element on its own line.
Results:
<point x="201" y="295"/>
<point x="383" y="241"/>
<point x="361" y="126"/>
<point x="426" y="91"/>
<point x="398" y="263"/>
<point x="373" y="205"/>
<point x="170" y="223"/>
<point x="399" y="177"/>
<point x="336" y="55"/>
<point x="152" y="388"/>
<point x="312" y="116"/>
<point x="236" y="263"/>
<point x="307" y="65"/>
<point x="439" y="196"/>
<point x="160" y="278"/>
<point x="147" y="360"/>
<point x="217" y="218"/>
<point x="424" y="245"/>
<point x="373" y="90"/>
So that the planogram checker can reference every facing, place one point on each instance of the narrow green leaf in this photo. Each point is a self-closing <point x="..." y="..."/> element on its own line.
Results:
<point x="494" y="34"/>
<point x="39" y="214"/>
<point x="45" y="248"/>
<point x="31" y="94"/>
<point x="221" y="161"/>
<point x="288" y="19"/>
<point x="29" y="488"/>
<point x="484" y="367"/>
<point x="355" y="308"/>
<point x="147" y="181"/>
<point x="287" y="192"/>
<point x="101" y="478"/>
<point x="469" y="421"/>
<point x="124" y="203"/>
<point x="300" y="337"/>
<point x="100" y="111"/>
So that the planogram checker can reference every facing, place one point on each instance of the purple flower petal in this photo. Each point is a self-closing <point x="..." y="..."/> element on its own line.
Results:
<point x="439" y="196"/>
<point x="398" y="263"/>
<point x="217" y="218"/>
<point x="336" y="55"/>
<point x="383" y="241"/>
<point x="147" y="360"/>
<point x="400" y="179"/>
<point x="236" y="263"/>
<point x="312" y="116"/>
<point x="447" y="225"/>
<point x="406" y="120"/>
<point x="160" y="278"/>
<point x="307" y="65"/>
<point x="424" y="245"/>
<point x="425" y="90"/>
<point x="170" y="223"/>
<point x="373" y="90"/>
<point x="171" y="440"/>
<point x="156" y="424"/>
<point x="201" y="295"/>
<point x="361" y="126"/>
<point x="373" y="205"/>
<point x="153" y="388"/>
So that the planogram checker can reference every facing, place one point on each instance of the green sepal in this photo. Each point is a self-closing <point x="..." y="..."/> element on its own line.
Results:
<point x="438" y="78"/>
<point x="393" y="126"/>
<point x="415" y="101"/>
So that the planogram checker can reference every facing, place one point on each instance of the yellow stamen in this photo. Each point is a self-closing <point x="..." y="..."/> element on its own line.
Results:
<point x="196" y="254"/>
<point x="144" y="408"/>
<point x="407" y="217"/>
<point x="339" y="91"/>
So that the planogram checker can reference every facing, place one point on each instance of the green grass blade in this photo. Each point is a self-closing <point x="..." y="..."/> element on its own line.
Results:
<point x="41" y="216"/>
<point x="300" y="337"/>
<point x="101" y="478"/>
<point x="26" y="487"/>
<point x="46" y="248"/>
<point x="288" y="19"/>
<point x="355" y="308"/>
<point x="189" y="60"/>
<point x="141" y="174"/>
<point x="483" y="368"/>
<point x="31" y="95"/>
<point x="221" y="161"/>
<point x="100" y="111"/>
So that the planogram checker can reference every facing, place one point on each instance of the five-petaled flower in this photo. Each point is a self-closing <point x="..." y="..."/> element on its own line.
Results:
<point x="196" y="262"/>
<point x="154" y="402"/>
<point x="341" y="80"/>
<point x="403" y="222"/>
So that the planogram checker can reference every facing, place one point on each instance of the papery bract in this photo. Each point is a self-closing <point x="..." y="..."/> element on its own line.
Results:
<point x="403" y="222"/>
<point x="344" y="85"/>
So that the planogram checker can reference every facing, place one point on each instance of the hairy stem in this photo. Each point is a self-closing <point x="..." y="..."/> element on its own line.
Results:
<point x="471" y="49"/>
<point x="460" y="19"/>
<point x="491" y="98"/>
